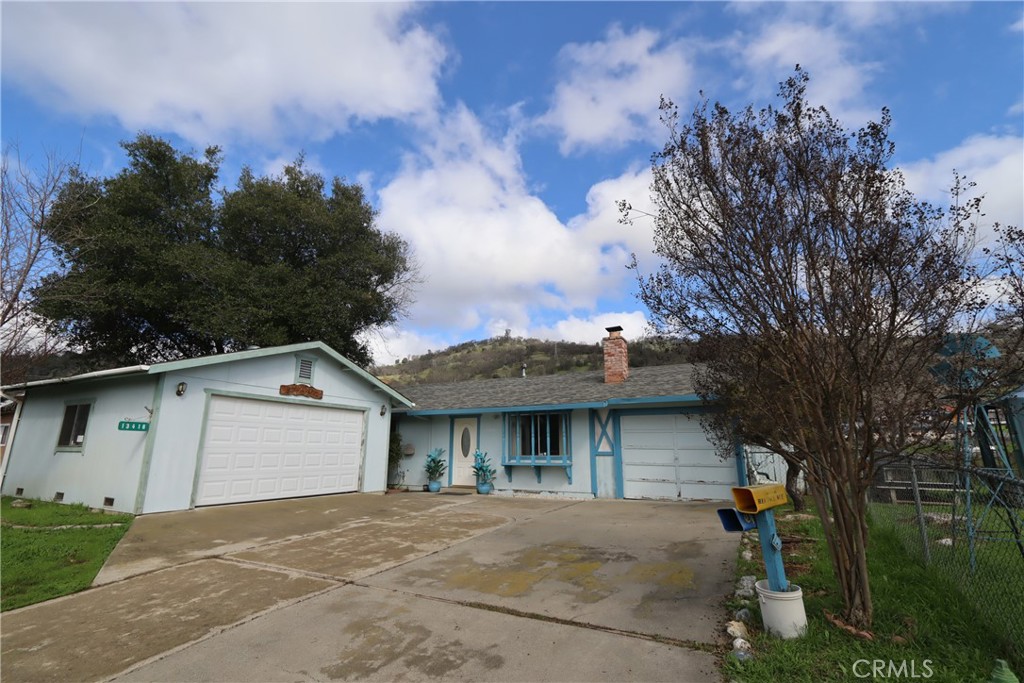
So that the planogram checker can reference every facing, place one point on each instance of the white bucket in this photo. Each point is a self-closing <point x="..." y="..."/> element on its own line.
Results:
<point x="782" y="612"/>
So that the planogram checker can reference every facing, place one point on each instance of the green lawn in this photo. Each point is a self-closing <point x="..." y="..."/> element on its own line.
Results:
<point x="919" y="617"/>
<point x="42" y="561"/>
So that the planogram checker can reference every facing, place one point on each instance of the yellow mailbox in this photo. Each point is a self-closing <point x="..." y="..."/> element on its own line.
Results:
<point x="753" y="499"/>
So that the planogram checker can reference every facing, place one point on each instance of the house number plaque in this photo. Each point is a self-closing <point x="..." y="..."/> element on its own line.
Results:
<point x="301" y="390"/>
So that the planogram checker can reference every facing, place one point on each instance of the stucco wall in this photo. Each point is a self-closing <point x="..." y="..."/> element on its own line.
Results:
<point x="109" y="462"/>
<point x="177" y="439"/>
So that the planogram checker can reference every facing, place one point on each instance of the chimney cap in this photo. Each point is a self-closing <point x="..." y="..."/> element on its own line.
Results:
<point x="614" y="328"/>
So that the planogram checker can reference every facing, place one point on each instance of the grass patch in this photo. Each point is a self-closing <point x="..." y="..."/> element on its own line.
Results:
<point x="44" y="562"/>
<point x="991" y="573"/>
<point x="919" y="616"/>
<point x="46" y="514"/>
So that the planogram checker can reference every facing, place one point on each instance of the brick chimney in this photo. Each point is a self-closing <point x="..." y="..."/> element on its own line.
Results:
<point x="616" y="357"/>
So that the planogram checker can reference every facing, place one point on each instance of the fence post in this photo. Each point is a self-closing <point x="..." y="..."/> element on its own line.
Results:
<point x="920" y="515"/>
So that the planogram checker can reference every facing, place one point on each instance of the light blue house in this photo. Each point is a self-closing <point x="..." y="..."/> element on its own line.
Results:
<point x="618" y="433"/>
<point x="255" y="425"/>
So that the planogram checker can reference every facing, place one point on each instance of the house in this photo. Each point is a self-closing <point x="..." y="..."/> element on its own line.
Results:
<point x="8" y="406"/>
<point x="254" y="425"/>
<point x="619" y="432"/>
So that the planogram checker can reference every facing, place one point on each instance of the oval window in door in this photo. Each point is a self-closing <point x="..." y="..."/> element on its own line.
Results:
<point x="466" y="439"/>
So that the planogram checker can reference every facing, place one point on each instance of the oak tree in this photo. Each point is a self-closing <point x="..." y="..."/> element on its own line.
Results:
<point x="178" y="269"/>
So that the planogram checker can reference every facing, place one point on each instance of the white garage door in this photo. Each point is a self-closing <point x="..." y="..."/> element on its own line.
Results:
<point x="669" y="456"/>
<point x="262" y="450"/>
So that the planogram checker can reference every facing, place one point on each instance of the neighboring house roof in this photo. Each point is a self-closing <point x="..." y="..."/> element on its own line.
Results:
<point x="656" y="384"/>
<point x="188" y="363"/>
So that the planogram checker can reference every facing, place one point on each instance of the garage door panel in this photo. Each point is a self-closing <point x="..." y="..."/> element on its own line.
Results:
<point x="644" y="488"/>
<point x="266" y="486"/>
<point x="723" y="473"/>
<point x="646" y="423"/>
<point x="648" y="440"/>
<point x="706" y="490"/>
<point x="696" y="441"/>
<point x="708" y="458"/>
<point x="218" y="462"/>
<point x="241" y="487"/>
<point x="260" y="450"/>
<point x="250" y="434"/>
<point x="653" y="457"/>
<point x="670" y="456"/>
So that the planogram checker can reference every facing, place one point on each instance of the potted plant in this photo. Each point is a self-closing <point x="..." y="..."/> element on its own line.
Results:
<point x="435" y="469"/>
<point x="484" y="472"/>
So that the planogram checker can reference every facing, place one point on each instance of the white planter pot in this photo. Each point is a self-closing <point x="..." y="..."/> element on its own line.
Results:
<point x="782" y="612"/>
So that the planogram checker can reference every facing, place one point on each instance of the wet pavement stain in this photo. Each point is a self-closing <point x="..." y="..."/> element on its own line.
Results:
<point x="592" y="573"/>
<point x="573" y="564"/>
<point x="375" y="646"/>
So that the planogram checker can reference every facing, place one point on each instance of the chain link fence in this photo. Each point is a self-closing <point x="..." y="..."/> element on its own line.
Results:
<point x="967" y="523"/>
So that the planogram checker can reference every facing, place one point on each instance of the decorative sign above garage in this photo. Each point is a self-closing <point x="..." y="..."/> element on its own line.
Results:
<point x="301" y="390"/>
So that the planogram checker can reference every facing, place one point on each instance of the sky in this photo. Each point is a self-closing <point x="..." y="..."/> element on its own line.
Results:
<point x="496" y="138"/>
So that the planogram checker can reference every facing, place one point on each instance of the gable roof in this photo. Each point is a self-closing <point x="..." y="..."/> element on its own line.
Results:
<point x="656" y="384"/>
<point x="187" y="363"/>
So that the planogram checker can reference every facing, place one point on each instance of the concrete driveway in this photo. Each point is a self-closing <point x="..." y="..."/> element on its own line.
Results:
<point x="398" y="587"/>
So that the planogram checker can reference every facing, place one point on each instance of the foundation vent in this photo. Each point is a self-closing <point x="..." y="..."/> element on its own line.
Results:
<point x="19" y="491"/>
<point x="108" y="502"/>
<point x="58" y="497"/>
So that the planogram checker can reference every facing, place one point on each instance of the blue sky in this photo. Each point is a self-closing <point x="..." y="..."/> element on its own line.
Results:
<point x="497" y="137"/>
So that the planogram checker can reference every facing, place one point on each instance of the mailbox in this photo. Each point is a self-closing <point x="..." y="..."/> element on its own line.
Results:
<point x="733" y="520"/>
<point x="754" y="499"/>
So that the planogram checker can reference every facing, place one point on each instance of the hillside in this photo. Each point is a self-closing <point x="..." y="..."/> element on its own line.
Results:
<point x="504" y="357"/>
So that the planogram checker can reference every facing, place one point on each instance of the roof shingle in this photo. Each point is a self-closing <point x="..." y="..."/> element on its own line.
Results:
<point x="663" y="381"/>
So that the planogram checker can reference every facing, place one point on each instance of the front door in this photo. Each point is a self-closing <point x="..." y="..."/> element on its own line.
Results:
<point x="463" y="447"/>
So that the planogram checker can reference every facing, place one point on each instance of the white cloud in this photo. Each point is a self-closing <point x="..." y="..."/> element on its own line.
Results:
<point x="591" y="329"/>
<point x="838" y="80"/>
<point x="492" y="254"/>
<point x="204" y="70"/>
<point x="995" y="163"/>
<point x="391" y="344"/>
<point x="608" y="95"/>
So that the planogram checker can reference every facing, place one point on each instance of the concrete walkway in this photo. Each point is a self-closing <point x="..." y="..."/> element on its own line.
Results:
<point x="398" y="587"/>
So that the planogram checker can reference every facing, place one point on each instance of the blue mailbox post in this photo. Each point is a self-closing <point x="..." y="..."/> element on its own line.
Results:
<point x="754" y="509"/>
<point x="782" y="603"/>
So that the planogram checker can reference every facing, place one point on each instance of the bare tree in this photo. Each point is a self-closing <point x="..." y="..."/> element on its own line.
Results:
<point x="28" y="197"/>
<point x="818" y="291"/>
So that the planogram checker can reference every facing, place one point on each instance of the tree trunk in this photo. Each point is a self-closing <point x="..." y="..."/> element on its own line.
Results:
<point x="843" y="516"/>
<point x="793" y="485"/>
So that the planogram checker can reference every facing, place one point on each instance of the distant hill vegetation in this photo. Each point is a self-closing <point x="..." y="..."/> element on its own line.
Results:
<point x="504" y="357"/>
